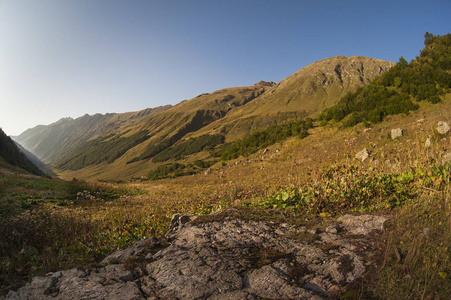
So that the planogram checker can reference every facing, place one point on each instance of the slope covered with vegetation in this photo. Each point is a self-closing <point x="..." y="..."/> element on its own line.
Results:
<point x="13" y="156"/>
<point x="305" y="182"/>
<point x="77" y="224"/>
<point x="136" y="143"/>
<point x="398" y="91"/>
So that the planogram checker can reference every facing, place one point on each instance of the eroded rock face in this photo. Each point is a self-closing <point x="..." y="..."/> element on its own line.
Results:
<point x="225" y="259"/>
<point x="111" y="282"/>
<point x="139" y="248"/>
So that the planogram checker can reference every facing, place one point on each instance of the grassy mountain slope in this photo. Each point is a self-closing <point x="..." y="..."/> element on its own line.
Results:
<point x="54" y="140"/>
<point x="12" y="156"/>
<point x="46" y="168"/>
<point x="303" y="94"/>
<point x="399" y="90"/>
<point x="320" y="168"/>
<point x="126" y="140"/>
<point x="154" y="133"/>
<point x="301" y="182"/>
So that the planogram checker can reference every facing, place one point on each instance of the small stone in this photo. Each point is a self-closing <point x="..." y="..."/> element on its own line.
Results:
<point x="314" y="231"/>
<point x="395" y="133"/>
<point x="175" y="219"/>
<point x="363" y="224"/>
<point x="362" y="155"/>
<point x="442" y="127"/>
<point x="426" y="232"/>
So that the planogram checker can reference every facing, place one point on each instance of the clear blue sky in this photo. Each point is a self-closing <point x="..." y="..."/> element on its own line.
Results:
<point x="65" y="58"/>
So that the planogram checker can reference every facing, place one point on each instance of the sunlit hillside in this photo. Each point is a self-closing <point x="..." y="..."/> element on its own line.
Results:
<point x="308" y="179"/>
<point x="133" y="143"/>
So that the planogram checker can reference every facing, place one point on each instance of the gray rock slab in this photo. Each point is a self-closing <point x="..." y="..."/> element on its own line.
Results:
<point x="228" y="259"/>
<point x="139" y="248"/>
<point x="363" y="224"/>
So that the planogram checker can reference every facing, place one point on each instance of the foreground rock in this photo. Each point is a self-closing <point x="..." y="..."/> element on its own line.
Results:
<point x="224" y="259"/>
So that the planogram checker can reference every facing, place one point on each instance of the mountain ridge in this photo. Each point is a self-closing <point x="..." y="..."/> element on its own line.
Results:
<point x="12" y="157"/>
<point x="232" y="112"/>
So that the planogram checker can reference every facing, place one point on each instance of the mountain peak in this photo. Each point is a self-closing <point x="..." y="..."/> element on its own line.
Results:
<point x="265" y="83"/>
<point x="151" y="136"/>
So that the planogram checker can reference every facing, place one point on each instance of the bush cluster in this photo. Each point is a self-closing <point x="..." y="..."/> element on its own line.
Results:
<point x="342" y="188"/>
<point x="172" y="170"/>
<point x="191" y="146"/>
<point x="263" y="138"/>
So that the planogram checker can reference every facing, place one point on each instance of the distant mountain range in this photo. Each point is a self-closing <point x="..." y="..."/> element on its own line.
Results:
<point x="130" y="141"/>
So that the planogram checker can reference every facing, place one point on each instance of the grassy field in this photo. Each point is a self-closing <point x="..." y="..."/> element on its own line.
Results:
<point x="49" y="224"/>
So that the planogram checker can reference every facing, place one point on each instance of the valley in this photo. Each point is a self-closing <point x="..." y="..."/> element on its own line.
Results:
<point x="305" y="181"/>
<point x="91" y="146"/>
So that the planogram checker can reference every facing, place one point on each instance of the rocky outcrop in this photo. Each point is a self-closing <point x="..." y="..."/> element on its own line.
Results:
<point x="226" y="258"/>
<point x="265" y="83"/>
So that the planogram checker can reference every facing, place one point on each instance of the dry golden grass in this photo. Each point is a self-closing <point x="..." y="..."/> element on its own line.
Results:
<point x="80" y="234"/>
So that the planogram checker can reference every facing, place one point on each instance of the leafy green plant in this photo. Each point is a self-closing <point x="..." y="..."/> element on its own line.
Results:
<point x="342" y="188"/>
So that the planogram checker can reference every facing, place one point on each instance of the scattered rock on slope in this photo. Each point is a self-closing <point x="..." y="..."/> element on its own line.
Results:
<point x="225" y="259"/>
<point x="362" y="155"/>
<point x="396" y="133"/>
<point x="442" y="127"/>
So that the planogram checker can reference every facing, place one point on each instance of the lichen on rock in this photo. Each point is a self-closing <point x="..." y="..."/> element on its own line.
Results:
<point x="226" y="258"/>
